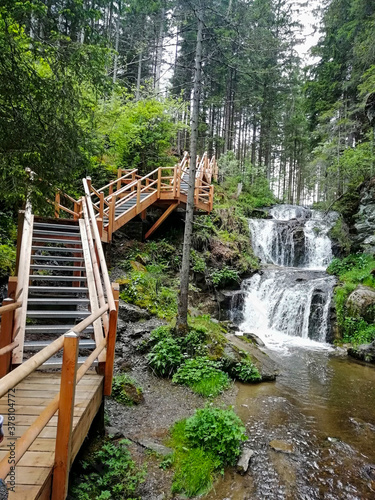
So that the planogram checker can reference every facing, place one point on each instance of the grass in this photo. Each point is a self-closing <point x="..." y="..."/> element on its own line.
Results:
<point x="125" y="390"/>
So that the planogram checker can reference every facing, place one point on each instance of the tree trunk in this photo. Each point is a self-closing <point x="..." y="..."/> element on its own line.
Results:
<point x="117" y="42"/>
<point x="182" y="324"/>
<point x="159" y="52"/>
<point x="139" y="76"/>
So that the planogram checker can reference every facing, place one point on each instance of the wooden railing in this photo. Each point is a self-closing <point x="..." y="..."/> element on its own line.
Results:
<point x="104" y="310"/>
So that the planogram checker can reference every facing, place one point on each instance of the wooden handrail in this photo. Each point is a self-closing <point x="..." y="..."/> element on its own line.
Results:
<point x="8" y="348"/>
<point x="22" y="371"/>
<point x="10" y="307"/>
<point x="116" y="180"/>
<point x="99" y="248"/>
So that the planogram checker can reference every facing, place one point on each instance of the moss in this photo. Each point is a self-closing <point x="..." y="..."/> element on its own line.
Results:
<point x="340" y="233"/>
<point x="125" y="390"/>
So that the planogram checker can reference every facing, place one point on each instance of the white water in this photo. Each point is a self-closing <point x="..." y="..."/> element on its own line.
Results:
<point x="290" y="305"/>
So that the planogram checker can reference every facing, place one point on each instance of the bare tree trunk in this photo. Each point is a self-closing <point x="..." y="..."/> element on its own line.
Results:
<point x="117" y="42"/>
<point x="159" y="52"/>
<point x="139" y="75"/>
<point x="182" y="324"/>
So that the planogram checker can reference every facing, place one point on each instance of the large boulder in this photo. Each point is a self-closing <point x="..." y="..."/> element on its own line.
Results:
<point x="131" y="313"/>
<point x="361" y="303"/>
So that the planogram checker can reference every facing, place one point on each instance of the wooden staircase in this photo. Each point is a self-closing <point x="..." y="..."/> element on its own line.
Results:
<point x="61" y="314"/>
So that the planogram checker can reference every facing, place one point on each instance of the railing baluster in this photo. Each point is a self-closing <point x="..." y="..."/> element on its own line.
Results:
<point x="7" y="319"/>
<point x="111" y="342"/>
<point x="65" y="419"/>
<point x="57" y="205"/>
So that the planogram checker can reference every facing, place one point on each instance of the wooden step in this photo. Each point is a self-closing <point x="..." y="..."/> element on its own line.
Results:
<point x="57" y="362"/>
<point x="58" y="289"/>
<point x="57" y="249"/>
<point x="57" y="240"/>
<point x="41" y="225"/>
<point x="57" y="301"/>
<point x="57" y="314"/>
<point x="57" y="267"/>
<point x="54" y="329"/>
<point x="57" y="258"/>
<point x="32" y="345"/>
<point x="40" y="277"/>
<point x="57" y="233"/>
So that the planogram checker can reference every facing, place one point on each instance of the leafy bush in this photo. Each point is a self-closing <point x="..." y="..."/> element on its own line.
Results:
<point x="224" y="276"/>
<point x="165" y="357"/>
<point x="217" y="431"/>
<point x="245" y="371"/>
<point x="203" y="375"/>
<point x="111" y="473"/>
<point x="353" y="270"/>
<point x="7" y="260"/>
<point x="125" y="390"/>
<point x="203" y="444"/>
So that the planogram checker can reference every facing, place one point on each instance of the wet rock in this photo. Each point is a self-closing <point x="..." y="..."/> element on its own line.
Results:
<point x="255" y="339"/>
<point x="369" y="471"/>
<point x="158" y="448"/>
<point x="361" y="303"/>
<point x="281" y="446"/>
<point x="132" y="313"/>
<point x="266" y="366"/>
<point x="230" y="302"/>
<point x="244" y="461"/>
<point x="364" y="352"/>
<point x="113" y="432"/>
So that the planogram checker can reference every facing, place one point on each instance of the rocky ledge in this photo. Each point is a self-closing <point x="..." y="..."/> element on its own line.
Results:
<point x="364" y="352"/>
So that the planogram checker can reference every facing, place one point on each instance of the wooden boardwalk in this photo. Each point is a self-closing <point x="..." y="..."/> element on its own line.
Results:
<point x="33" y="474"/>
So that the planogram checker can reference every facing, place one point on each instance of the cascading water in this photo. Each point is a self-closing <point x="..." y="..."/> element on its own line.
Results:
<point x="290" y="302"/>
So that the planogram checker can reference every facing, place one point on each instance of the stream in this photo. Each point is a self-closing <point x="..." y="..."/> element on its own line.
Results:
<point x="319" y="415"/>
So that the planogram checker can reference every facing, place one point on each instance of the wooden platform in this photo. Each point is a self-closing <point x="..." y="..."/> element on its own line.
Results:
<point x="33" y="474"/>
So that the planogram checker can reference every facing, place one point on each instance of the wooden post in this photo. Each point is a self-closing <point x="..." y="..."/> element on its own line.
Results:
<point x="139" y="186"/>
<point x="159" y="182"/>
<point x="57" y="203"/>
<point x="174" y="182"/>
<point x="21" y="218"/>
<point x="76" y="211"/>
<point x="89" y="183"/>
<point x="144" y="214"/>
<point x="12" y="287"/>
<point x="119" y="172"/>
<point x="65" y="418"/>
<point x="111" y="342"/>
<point x="101" y="205"/>
<point x="7" y="319"/>
<point x="100" y="226"/>
<point x="111" y="217"/>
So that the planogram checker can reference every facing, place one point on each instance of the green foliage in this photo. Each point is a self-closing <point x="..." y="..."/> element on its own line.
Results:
<point x="245" y="371"/>
<point x="217" y="431"/>
<point x="198" y="263"/>
<point x="225" y="276"/>
<point x="110" y="474"/>
<point x="203" y="444"/>
<point x="125" y="390"/>
<point x="140" y="133"/>
<point x="204" y="376"/>
<point x="165" y="357"/>
<point x="7" y="260"/>
<point x="353" y="270"/>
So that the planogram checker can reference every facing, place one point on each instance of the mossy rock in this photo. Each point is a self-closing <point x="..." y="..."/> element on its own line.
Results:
<point x="125" y="390"/>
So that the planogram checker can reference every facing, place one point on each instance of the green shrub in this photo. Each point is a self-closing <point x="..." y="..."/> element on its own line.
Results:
<point x="194" y="343"/>
<point x="245" y="371"/>
<point x="125" y="390"/>
<point x="110" y="474"/>
<point x="217" y="431"/>
<point x="203" y="376"/>
<point x="225" y="276"/>
<point x="165" y="357"/>
<point x="7" y="260"/>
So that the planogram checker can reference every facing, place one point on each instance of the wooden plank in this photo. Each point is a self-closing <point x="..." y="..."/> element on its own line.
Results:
<point x="65" y="419"/>
<point x="31" y="475"/>
<point x="111" y="342"/>
<point x="82" y="428"/>
<point x="35" y="458"/>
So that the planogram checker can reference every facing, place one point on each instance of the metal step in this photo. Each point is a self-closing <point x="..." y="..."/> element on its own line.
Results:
<point x="57" y="301"/>
<point x="53" y="329"/>
<point x="40" y="277"/>
<point x="57" y="249"/>
<point x="57" y="314"/>
<point x="57" y="258"/>
<point x="57" y="233"/>
<point x="56" y="226"/>
<point x="58" y="289"/>
<point x="32" y="345"/>
<point x="56" y="240"/>
<point x="57" y="362"/>
<point x="57" y="268"/>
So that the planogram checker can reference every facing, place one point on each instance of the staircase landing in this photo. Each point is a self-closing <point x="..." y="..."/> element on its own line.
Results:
<point x="33" y="473"/>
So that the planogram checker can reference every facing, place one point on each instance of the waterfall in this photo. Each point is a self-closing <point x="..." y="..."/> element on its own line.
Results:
<point x="290" y="302"/>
